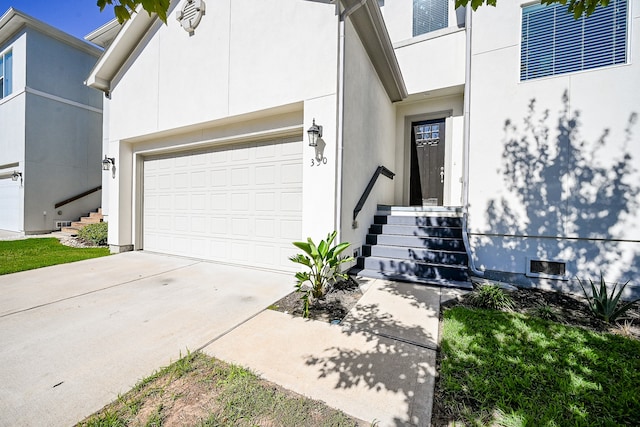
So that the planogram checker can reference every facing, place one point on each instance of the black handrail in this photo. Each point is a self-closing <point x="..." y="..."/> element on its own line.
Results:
<point x="381" y="170"/>
<point x="79" y="196"/>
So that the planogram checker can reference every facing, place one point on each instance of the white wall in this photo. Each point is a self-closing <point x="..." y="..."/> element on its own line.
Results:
<point x="560" y="148"/>
<point x="62" y="160"/>
<point x="429" y="61"/>
<point x="63" y="133"/>
<point x="243" y="57"/>
<point x="433" y="63"/>
<point x="398" y="17"/>
<point x="369" y="124"/>
<point x="426" y="108"/>
<point x="250" y="69"/>
<point x="12" y="130"/>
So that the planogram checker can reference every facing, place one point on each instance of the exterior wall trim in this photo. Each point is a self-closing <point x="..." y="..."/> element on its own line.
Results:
<point x="62" y="100"/>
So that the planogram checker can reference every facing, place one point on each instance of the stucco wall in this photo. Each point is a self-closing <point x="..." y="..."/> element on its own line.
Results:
<point x="554" y="160"/>
<point x="369" y="121"/>
<point x="243" y="57"/>
<point x="62" y="159"/>
<point x="249" y="69"/>
<point x="59" y="69"/>
<point x="449" y="107"/>
<point x="12" y="138"/>
<point x="429" y="61"/>
<point x="51" y="127"/>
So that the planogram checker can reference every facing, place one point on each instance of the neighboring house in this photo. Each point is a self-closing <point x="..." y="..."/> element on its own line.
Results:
<point x="50" y="126"/>
<point x="516" y="121"/>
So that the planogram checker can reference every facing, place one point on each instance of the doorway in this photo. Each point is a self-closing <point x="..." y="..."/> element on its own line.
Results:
<point x="427" y="163"/>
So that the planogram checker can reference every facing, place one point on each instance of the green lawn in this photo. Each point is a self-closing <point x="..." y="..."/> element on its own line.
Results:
<point x="509" y="369"/>
<point x="27" y="254"/>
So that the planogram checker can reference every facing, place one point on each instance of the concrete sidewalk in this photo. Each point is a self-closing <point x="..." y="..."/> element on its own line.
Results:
<point x="379" y="365"/>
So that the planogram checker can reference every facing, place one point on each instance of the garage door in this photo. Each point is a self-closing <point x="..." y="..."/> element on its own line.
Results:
<point x="239" y="204"/>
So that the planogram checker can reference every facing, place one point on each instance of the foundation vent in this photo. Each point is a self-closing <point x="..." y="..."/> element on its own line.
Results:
<point x="544" y="268"/>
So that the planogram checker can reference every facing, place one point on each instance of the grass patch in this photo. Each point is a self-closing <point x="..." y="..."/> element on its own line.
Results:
<point x="198" y="390"/>
<point x="510" y="369"/>
<point x="28" y="254"/>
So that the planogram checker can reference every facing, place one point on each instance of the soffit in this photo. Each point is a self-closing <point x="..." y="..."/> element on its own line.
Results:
<point x="369" y="24"/>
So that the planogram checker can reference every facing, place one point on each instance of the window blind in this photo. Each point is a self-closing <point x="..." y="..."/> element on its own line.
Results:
<point x="553" y="42"/>
<point x="430" y="15"/>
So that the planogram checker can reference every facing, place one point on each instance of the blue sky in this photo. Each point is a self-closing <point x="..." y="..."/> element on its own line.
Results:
<point x="76" y="17"/>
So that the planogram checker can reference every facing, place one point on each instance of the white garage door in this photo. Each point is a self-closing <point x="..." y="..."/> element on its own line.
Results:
<point x="238" y="204"/>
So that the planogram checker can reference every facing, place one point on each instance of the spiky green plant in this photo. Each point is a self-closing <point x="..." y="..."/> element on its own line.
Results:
<point x="323" y="262"/>
<point x="490" y="296"/>
<point x="607" y="307"/>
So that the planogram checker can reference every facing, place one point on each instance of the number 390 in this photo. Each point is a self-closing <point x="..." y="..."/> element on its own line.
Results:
<point x="318" y="162"/>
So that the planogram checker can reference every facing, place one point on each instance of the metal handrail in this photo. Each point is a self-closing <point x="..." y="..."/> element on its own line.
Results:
<point x="79" y="196"/>
<point x="381" y="170"/>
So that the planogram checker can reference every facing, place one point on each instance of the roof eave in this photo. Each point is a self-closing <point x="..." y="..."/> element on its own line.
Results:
<point x="14" y="20"/>
<point x="369" y="24"/>
<point x="115" y="56"/>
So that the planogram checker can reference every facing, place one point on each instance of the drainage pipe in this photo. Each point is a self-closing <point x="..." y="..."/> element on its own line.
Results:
<point x="466" y="142"/>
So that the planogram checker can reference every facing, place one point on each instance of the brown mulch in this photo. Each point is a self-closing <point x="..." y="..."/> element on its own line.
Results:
<point x="332" y="308"/>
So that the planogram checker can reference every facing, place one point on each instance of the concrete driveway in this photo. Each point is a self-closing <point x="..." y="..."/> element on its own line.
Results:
<point x="74" y="336"/>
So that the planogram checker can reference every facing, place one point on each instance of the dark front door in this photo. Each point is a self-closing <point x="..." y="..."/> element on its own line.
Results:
<point x="427" y="163"/>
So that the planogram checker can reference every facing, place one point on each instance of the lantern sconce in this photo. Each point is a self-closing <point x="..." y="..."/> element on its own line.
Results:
<point x="108" y="163"/>
<point x="314" y="133"/>
<point x="15" y="175"/>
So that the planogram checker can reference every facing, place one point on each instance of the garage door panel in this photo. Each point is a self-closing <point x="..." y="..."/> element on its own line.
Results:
<point x="239" y="204"/>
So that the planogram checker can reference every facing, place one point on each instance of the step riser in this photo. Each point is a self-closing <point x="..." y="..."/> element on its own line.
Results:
<point x="418" y="221"/>
<point x="416" y="254"/>
<point x="406" y="268"/>
<point x="404" y="230"/>
<point x="416" y="242"/>
<point x="464" y="284"/>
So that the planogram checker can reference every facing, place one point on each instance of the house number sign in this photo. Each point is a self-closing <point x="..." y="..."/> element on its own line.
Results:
<point x="318" y="161"/>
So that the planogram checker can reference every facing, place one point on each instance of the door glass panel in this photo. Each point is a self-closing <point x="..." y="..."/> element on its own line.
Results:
<point x="427" y="135"/>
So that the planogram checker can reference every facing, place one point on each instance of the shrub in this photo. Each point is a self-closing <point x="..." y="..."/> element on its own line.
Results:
<point x="323" y="262"/>
<point x="95" y="233"/>
<point x="606" y="307"/>
<point x="490" y="296"/>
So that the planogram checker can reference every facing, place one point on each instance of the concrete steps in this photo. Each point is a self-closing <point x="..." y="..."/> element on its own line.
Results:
<point x="76" y="226"/>
<point x="414" y="244"/>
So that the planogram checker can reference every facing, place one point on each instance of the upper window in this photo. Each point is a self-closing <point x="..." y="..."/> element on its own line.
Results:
<point x="6" y="75"/>
<point x="430" y="15"/>
<point x="553" y="42"/>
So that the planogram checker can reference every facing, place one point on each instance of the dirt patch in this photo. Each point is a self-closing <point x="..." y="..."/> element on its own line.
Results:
<point x="333" y="307"/>
<point x="203" y="391"/>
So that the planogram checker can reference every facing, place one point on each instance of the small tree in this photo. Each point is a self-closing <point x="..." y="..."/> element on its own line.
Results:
<point x="323" y="262"/>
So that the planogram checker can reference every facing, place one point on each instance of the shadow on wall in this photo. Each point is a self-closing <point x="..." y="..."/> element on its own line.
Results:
<point x="567" y="199"/>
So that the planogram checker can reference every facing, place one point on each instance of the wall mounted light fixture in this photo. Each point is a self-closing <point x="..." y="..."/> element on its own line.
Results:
<point x="108" y="163"/>
<point x="15" y="175"/>
<point x="314" y="133"/>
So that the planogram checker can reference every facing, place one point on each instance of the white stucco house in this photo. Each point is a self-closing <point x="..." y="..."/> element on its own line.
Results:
<point x="50" y="126"/>
<point x="506" y="138"/>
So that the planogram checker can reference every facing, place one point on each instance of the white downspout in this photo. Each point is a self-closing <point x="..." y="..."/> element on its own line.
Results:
<point x="342" y="16"/>
<point x="466" y="142"/>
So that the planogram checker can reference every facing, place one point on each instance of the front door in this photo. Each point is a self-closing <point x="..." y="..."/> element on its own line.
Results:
<point x="427" y="163"/>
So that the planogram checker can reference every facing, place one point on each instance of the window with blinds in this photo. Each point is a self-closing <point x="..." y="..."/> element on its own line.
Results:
<point x="430" y="15"/>
<point x="6" y="71"/>
<point x="553" y="42"/>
